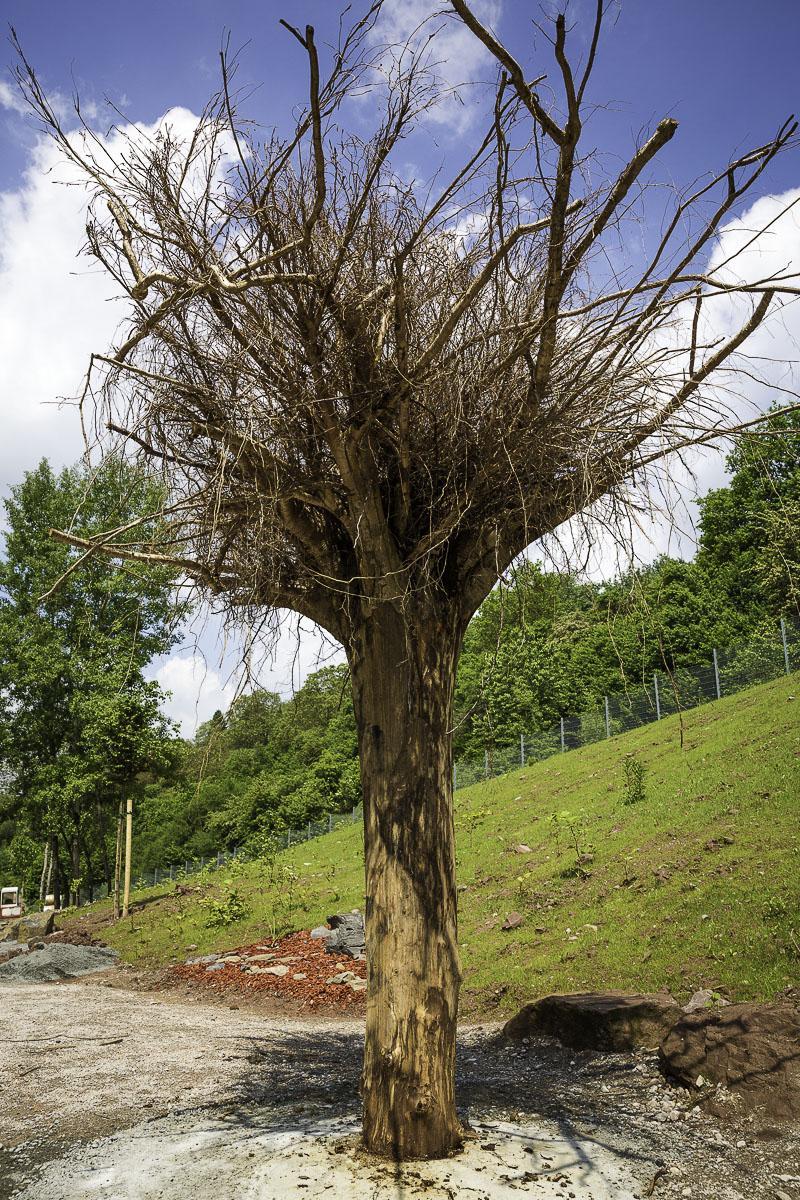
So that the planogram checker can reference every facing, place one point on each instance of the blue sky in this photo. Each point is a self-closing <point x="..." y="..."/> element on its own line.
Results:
<point x="726" y="69"/>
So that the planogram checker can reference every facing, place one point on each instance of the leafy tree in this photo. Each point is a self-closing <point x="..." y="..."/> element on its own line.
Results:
<point x="366" y="413"/>
<point x="78" y="721"/>
<point x="750" y="530"/>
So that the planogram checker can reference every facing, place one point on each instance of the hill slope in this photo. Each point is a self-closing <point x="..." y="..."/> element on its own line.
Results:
<point x="697" y="883"/>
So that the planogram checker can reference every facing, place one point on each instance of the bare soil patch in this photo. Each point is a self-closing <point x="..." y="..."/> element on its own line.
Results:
<point x="114" y="1093"/>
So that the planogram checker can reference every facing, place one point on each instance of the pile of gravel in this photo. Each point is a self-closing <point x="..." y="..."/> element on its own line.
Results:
<point x="55" y="962"/>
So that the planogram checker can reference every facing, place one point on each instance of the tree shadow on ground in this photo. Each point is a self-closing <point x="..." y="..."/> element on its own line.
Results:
<point x="586" y="1100"/>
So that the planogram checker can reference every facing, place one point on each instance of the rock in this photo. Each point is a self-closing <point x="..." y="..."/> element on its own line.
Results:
<point x="300" y="975"/>
<point x="346" y="935"/>
<point x="216" y="966"/>
<point x="613" y="1021"/>
<point x="204" y="958"/>
<point x="512" y="921"/>
<point x="279" y="970"/>
<point x="320" y="931"/>
<point x="752" y="1049"/>
<point x="705" y="998"/>
<point x="343" y="977"/>
<point x="357" y="985"/>
<point x="259" y="958"/>
<point x="522" y="849"/>
<point x="31" y="927"/>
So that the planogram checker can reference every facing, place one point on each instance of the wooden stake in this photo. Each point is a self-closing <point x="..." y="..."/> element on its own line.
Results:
<point x="128" y="838"/>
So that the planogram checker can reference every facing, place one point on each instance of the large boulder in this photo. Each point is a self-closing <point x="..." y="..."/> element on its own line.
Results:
<point x="345" y="935"/>
<point x="614" y="1021"/>
<point x="752" y="1049"/>
<point x="29" y="928"/>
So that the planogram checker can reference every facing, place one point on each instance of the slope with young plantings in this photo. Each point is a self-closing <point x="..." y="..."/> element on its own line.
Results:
<point x="683" y="873"/>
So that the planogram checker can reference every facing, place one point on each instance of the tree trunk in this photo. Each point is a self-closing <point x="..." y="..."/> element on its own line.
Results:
<point x="56" y="861"/>
<point x="102" y="827"/>
<point x="45" y="876"/>
<point x="75" y="865"/>
<point x="118" y="858"/>
<point x="403" y="689"/>
<point x="126" y="896"/>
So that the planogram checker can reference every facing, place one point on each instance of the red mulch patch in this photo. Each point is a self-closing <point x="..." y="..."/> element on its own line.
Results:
<point x="303" y="955"/>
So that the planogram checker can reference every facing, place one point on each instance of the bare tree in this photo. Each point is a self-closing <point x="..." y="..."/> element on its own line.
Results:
<point x="369" y="396"/>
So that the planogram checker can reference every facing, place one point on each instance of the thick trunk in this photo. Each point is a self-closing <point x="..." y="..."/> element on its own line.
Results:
<point x="403" y="688"/>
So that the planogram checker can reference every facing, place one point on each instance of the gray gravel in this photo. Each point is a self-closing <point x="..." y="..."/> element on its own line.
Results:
<point x="164" y="1098"/>
<point x="56" y="961"/>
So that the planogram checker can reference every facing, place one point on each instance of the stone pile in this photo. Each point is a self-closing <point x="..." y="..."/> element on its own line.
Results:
<point x="297" y="967"/>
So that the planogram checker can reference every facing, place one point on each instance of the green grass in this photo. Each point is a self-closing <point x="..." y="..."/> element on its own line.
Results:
<point x="697" y="884"/>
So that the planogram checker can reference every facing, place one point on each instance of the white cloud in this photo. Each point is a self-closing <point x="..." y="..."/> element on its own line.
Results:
<point x="454" y="55"/>
<point x="280" y="663"/>
<point x="54" y="310"/>
<point x="11" y="99"/>
<point x="56" y="306"/>
<point x="768" y="372"/>
<point x="196" y="690"/>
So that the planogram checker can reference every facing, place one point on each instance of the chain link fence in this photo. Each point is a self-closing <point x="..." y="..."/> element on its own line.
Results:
<point x="765" y="656"/>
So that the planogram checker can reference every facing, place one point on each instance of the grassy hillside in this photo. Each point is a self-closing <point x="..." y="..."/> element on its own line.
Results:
<point x="697" y="883"/>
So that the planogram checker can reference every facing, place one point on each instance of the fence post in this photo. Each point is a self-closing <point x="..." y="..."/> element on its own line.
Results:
<point x="658" y="698"/>
<point x="155" y="876"/>
<point x="355" y="806"/>
<point x="522" y="749"/>
<point x="785" y="647"/>
<point x="330" y="822"/>
<point x="486" y="764"/>
<point x="561" y="728"/>
<point x="716" y="675"/>
<point x="171" y="872"/>
<point x="608" y="716"/>
<point x="308" y="839"/>
<point x="455" y="775"/>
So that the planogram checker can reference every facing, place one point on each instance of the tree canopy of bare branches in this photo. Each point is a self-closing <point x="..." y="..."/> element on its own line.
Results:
<point x="369" y="395"/>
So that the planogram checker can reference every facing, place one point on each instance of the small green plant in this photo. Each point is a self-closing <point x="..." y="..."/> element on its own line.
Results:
<point x="633" y="776"/>
<point x="573" y="827"/>
<point x="221" y="913"/>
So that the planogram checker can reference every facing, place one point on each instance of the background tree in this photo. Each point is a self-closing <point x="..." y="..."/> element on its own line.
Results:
<point x="369" y="396"/>
<point x="78" y="721"/>
<point x="750" y="530"/>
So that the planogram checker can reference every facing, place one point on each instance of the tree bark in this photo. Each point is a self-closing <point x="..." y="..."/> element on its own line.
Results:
<point x="118" y="858"/>
<point x="75" y="866"/>
<point x="126" y="897"/>
<point x="45" y="876"/>
<point x="56" y="861"/>
<point x="403" y="681"/>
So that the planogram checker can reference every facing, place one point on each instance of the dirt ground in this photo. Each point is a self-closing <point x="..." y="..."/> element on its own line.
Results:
<point x="115" y="1093"/>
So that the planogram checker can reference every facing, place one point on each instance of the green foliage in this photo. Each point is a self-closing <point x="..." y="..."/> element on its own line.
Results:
<point x="715" y="837"/>
<point x="633" y="777"/>
<point x="82" y="724"/>
<point x="265" y="766"/>
<point x="79" y="723"/>
<point x="222" y="913"/>
<point x="751" y="529"/>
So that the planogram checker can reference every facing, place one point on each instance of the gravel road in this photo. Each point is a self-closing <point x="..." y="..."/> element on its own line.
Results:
<point x="114" y="1094"/>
